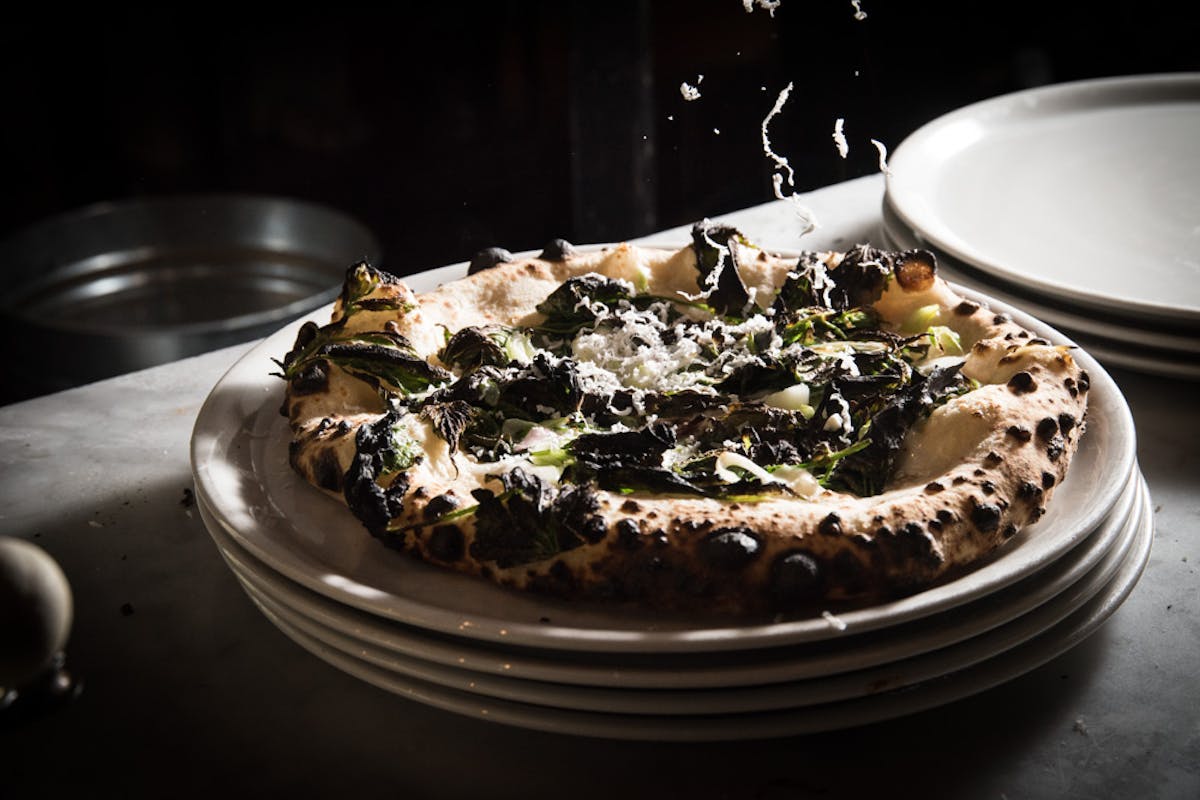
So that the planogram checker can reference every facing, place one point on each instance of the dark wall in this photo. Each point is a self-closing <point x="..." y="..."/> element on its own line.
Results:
<point x="450" y="127"/>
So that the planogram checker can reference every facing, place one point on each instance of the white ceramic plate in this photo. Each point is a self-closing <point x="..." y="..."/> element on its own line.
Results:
<point x="806" y="719"/>
<point x="1073" y="319"/>
<point x="1119" y="344"/>
<point x="239" y="462"/>
<point x="1087" y="191"/>
<point x="692" y="670"/>
<point x="737" y="699"/>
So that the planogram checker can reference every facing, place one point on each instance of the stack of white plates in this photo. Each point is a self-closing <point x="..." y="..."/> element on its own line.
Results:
<point x="467" y="646"/>
<point x="1078" y="202"/>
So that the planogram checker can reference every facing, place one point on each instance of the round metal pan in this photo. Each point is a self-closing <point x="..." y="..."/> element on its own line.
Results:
<point x="117" y="287"/>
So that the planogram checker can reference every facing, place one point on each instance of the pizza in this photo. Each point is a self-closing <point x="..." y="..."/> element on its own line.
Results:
<point x="716" y="427"/>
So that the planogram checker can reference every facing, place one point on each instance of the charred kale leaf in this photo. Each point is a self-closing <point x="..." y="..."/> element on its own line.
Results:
<point x="473" y="347"/>
<point x="806" y="286"/>
<point x="449" y="419"/>
<point x="376" y="483"/>
<point x="716" y="259"/>
<point x="860" y="279"/>
<point x="570" y="307"/>
<point x="531" y="520"/>
<point x="893" y="412"/>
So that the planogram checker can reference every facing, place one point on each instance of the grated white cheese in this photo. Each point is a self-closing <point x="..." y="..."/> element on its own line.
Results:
<point x="836" y="622"/>
<point x="883" y="165"/>
<point x="839" y="137"/>
<point x="766" y="5"/>
<point x="859" y="14"/>
<point x="635" y="355"/>
<point x="840" y="419"/>
<point x="783" y="169"/>
<point x="727" y="459"/>
<point x="689" y="91"/>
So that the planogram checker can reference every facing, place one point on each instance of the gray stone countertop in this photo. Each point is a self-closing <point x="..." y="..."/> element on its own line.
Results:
<point x="188" y="690"/>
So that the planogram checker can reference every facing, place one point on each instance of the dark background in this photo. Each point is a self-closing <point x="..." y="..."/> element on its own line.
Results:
<point x="450" y="127"/>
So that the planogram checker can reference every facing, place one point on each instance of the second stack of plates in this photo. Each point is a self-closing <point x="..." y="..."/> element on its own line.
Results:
<point x="1078" y="202"/>
<point x="470" y="647"/>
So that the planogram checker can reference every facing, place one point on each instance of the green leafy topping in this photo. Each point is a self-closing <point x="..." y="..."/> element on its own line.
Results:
<point x="579" y="301"/>
<point x="384" y="359"/>
<point x="531" y="520"/>
<point x="716" y="258"/>
<point x="362" y="281"/>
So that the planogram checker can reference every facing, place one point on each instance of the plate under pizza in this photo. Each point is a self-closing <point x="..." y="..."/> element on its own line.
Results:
<point x="239" y="455"/>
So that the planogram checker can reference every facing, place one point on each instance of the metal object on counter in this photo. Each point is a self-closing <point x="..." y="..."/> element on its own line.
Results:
<point x="117" y="287"/>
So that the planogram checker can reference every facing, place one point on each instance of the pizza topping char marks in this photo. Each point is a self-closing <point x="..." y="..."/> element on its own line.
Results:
<point x="507" y="449"/>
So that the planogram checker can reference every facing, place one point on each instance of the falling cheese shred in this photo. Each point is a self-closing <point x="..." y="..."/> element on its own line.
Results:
<point x="783" y="169"/>
<point x="839" y="137"/>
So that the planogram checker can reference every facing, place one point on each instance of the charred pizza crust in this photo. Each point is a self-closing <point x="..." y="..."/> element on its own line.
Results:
<point x="970" y="474"/>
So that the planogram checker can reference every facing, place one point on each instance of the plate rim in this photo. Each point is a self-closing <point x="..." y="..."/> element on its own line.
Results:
<point x="681" y="701"/>
<point x="1005" y="667"/>
<point x="1112" y="92"/>
<point x="1146" y="357"/>
<point x="785" y="664"/>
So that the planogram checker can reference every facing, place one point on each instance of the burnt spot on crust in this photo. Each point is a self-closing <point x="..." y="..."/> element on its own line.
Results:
<point x="311" y="379"/>
<point x="729" y="548"/>
<point x="966" y="308"/>
<point x="441" y="505"/>
<point x="1022" y="383"/>
<point x="1066" y="422"/>
<point x="1029" y="491"/>
<point x="1047" y="428"/>
<point x="987" y="487"/>
<point x="1009" y="531"/>
<point x="1083" y="382"/>
<point x="447" y="543"/>
<point x="958" y="480"/>
<point x="1055" y="448"/>
<point x="1000" y="319"/>
<point x="831" y="525"/>
<point x="374" y="505"/>
<point x="1072" y="388"/>
<point x="1048" y="480"/>
<point x="915" y="270"/>
<point x="1020" y="433"/>
<point x="629" y="534"/>
<point x="946" y="516"/>
<point x="631" y="507"/>
<point x="557" y="250"/>
<point x="562" y="574"/>
<point x="327" y="470"/>
<point x="992" y="459"/>
<point x="985" y="516"/>
<point x="796" y="578"/>
<point x="933" y="487"/>
<point x="488" y="258"/>
<point x="913" y="545"/>
<point x="847" y="572"/>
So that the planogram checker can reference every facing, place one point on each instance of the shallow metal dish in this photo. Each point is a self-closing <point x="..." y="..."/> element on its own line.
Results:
<point x="117" y="287"/>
